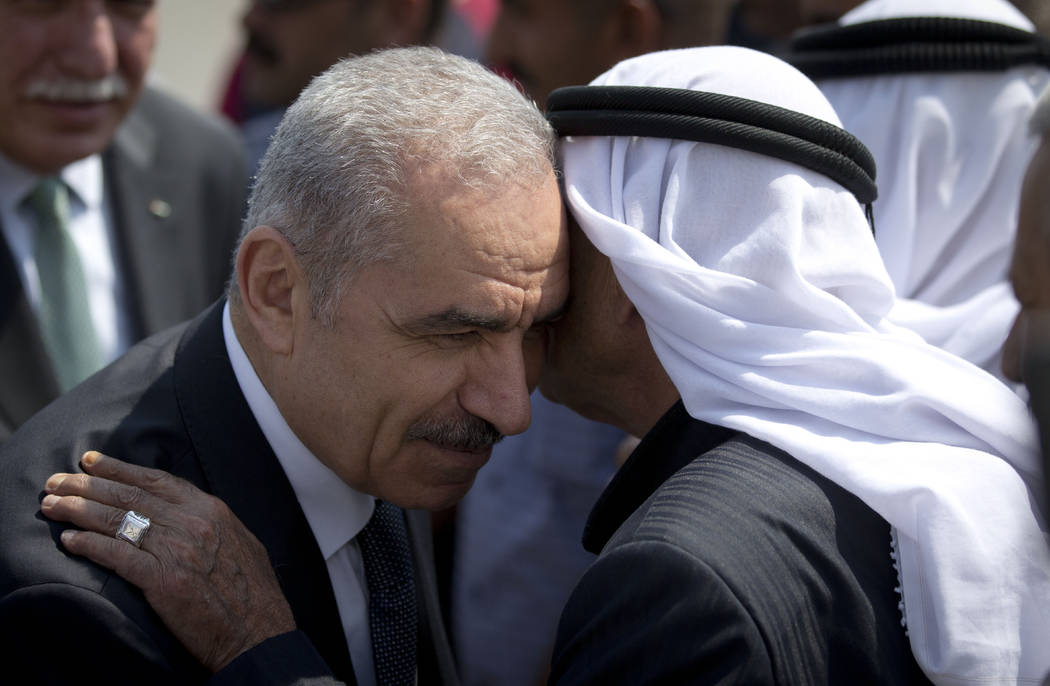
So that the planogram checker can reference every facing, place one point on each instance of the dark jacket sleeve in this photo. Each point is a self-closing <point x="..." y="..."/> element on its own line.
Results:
<point x="56" y="633"/>
<point x="632" y="620"/>
<point x="279" y="661"/>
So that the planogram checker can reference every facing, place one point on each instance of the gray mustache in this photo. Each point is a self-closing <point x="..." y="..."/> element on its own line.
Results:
<point x="471" y="433"/>
<point x="78" y="90"/>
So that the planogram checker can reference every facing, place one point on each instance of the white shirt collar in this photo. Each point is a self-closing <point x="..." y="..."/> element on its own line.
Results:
<point x="15" y="184"/>
<point x="335" y="511"/>
<point x="84" y="177"/>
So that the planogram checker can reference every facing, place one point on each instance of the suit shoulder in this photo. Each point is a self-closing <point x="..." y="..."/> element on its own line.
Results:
<point x="100" y="640"/>
<point x="127" y="410"/>
<point x="746" y="485"/>
<point x="180" y="126"/>
<point x="645" y="613"/>
<point x="802" y="557"/>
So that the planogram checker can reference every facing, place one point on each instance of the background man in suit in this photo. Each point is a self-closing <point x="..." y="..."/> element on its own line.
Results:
<point x="119" y="208"/>
<point x="404" y="249"/>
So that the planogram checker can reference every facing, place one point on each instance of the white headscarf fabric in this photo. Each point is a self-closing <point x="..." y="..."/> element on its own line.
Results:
<point x="951" y="150"/>
<point x="765" y="299"/>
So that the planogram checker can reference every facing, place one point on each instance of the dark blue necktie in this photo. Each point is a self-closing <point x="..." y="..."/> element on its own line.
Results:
<point x="391" y="595"/>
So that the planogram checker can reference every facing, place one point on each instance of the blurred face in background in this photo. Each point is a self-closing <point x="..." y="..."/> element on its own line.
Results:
<point x="824" y="11"/>
<point x="547" y="44"/>
<point x="291" y="41"/>
<point x="69" y="72"/>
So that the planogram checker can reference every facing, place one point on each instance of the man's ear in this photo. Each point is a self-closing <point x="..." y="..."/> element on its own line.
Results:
<point x="398" y="22"/>
<point x="638" y="28"/>
<point x="273" y="287"/>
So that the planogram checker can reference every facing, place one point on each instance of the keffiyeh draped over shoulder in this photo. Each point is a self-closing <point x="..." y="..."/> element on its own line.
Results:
<point x="952" y="148"/>
<point x="765" y="299"/>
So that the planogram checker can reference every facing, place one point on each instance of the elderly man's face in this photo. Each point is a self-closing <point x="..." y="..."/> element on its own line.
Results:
<point x="1030" y="270"/>
<point x="291" y="41"/>
<point x="69" y="72"/>
<point x="433" y="355"/>
<point x="547" y="44"/>
<point x="592" y="355"/>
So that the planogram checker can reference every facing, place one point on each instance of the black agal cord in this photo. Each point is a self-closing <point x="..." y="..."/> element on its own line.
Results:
<point x="720" y="119"/>
<point x="914" y="44"/>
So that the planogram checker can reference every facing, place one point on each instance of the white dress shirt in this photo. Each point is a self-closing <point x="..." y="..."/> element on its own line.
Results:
<point x="336" y="513"/>
<point x="91" y="227"/>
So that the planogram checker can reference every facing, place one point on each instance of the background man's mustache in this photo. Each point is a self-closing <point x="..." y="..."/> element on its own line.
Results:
<point x="78" y="90"/>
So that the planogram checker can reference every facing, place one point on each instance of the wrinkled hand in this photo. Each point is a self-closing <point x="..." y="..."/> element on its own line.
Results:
<point x="207" y="577"/>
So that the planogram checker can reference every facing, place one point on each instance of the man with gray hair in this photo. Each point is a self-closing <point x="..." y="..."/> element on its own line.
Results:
<point x="404" y="247"/>
<point x="820" y="496"/>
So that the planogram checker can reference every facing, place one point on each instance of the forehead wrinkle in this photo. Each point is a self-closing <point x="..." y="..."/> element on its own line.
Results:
<point x="513" y="258"/>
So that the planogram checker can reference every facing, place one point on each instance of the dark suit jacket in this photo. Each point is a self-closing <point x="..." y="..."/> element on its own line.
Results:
<point x="174" y="266"/>
<point x="725" y="561"/>
<point x="171" y="402"/>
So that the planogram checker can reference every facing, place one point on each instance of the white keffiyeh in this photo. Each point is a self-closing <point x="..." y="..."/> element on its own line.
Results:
<point x="951" y="150"/>
<point x="765" y="299"/>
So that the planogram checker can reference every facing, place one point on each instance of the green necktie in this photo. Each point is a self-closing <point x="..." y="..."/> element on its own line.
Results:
<point x="65" y="317"/>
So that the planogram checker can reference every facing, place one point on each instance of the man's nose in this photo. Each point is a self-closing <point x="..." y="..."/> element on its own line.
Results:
<point x="89" y="44"/>
<point x="496" y="388"/>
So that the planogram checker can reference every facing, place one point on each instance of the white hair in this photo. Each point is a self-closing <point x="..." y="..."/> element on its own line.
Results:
<point x="1040" y="121"/>
<point x="335" y="178"/>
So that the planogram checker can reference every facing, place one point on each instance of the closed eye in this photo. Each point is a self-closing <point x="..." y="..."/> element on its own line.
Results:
<point x="455" y="339"/>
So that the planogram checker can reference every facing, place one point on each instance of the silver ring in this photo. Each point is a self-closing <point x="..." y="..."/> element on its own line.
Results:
<point x="133" y="528"/>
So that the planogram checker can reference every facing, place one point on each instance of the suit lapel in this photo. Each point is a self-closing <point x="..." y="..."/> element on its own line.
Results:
<point x="242" y="470"/>
<point x="143" y="196"/>
<point x="28" y="378"/>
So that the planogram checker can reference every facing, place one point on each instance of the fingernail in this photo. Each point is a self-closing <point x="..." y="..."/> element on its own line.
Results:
<point x="67" y="536"/>
<point x="91" y="457"/>
<point x="54" y="482"/>
<point x="49" y="501"/>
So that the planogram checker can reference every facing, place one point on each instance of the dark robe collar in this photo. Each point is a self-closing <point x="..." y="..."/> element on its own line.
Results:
<point x="673" y="442"/>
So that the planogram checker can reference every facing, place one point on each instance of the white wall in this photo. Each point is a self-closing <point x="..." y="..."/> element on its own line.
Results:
<point x="198" y="41"/>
